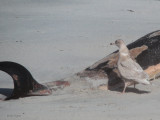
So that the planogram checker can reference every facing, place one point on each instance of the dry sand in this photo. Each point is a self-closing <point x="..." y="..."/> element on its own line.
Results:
<point x="54" y="39"/>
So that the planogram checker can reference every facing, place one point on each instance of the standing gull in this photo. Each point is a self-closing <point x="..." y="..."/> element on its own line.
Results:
<point x="130" y="71"/>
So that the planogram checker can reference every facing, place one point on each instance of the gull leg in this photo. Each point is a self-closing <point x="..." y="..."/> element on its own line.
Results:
<point x="134" y="85"/>
<point x="154" y="77"/>
<point x="125" y="85"/>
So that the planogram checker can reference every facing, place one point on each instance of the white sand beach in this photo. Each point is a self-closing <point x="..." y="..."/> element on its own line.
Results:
<point x="55" y="39"/>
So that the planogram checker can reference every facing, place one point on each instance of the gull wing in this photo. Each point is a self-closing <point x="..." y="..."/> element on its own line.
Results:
<point x="131" y="70"/>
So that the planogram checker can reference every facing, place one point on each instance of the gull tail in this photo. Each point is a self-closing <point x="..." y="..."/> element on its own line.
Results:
<point x="145" y="82"/>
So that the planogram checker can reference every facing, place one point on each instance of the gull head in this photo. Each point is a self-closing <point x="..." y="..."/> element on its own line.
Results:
<point x="118" y="43"/>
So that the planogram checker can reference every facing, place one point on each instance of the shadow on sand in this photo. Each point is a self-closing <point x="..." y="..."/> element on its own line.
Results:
<point x="5" y="92"/>
<point x="135" y="90"/>
<point x="132" y="90"/>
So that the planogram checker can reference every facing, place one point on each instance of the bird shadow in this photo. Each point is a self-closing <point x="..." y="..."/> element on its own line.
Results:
<point x="133" y="90"/>
<point x="6" y="92"/>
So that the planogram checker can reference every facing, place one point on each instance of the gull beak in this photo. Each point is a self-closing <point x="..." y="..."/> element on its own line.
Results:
<point x="112" y="43"/>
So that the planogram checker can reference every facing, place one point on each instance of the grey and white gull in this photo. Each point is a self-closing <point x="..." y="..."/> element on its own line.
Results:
<point x="130" y="71"/>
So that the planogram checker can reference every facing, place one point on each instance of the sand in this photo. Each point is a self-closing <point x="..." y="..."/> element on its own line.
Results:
<point x="55" y="39"/>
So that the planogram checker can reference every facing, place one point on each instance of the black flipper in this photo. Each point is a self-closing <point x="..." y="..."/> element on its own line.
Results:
<point x="24" y="83"/>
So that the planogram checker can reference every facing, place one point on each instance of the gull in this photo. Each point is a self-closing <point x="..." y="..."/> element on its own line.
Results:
<point x="130" y="71"/>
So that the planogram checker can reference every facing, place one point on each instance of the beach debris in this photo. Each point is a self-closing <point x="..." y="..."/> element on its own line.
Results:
<point x="24" y="83"/>
<point x="130" y="10"/>
<point x="144" y="51"/>
<point x="103" y="74"/>
<point x="19" y="41"/>
<point x="130" y="71"/>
